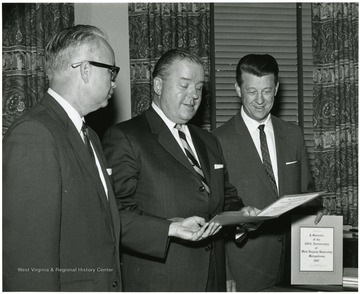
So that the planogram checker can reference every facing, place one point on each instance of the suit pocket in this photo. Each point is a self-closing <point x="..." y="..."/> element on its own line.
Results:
<point x="217" y="179"/>
<point x="292" y="174"/>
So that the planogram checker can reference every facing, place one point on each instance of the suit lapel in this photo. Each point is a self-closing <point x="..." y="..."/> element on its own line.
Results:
<point x="78" y="146"/>
<point x="252" y="157"/>
<point x="167" y="140"/>
<point x="280" y="154"/>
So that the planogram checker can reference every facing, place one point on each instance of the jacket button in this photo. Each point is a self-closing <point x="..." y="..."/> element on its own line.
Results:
<point x="202" y="189"/>
<point x="208" y="247"/>
<point x="115" y="284"/>
<point x="280" y="239"/>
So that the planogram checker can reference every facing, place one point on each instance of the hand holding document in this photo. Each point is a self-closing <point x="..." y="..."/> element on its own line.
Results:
<point x="279" y="207"/>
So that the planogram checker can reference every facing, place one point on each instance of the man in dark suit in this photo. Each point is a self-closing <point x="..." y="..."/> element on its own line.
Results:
<point x="259" y="263"/>
<point x="61" y="226"/>
<point x="166" y="168"/>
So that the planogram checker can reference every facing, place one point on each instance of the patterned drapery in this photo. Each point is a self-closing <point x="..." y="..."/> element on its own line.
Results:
<point x="26" y="29"/>
<point x="155" y="28"/>
<point x="335" y="49"/>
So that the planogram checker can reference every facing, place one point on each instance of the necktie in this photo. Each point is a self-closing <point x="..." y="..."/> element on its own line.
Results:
<point x="190" y="155"/>
<point x="85" y="132"/>
<point x="266" y="158"/>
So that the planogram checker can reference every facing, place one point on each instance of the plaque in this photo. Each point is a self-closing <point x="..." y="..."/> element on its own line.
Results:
<point x="317" y="250"/>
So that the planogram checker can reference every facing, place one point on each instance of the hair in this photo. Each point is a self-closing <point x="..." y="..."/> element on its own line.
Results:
<point x="257" y="64"/>
<point x="168" y="58"/>
<point x="68" y="42"/>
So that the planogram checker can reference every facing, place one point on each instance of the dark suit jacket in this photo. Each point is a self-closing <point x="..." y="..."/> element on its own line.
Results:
<point x="58" y="225"/>
<point x="259" y="262"/>
<point x="152" y="176"/>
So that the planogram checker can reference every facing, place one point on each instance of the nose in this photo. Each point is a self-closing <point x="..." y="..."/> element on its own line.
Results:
<point x="259" y="98"/>
<point x="113" y="84"/>
<point x="194" y="93"/>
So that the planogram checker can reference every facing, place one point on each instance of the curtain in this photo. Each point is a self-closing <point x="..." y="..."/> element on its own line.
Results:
<point x="26" y="29"/>
<point x="335" y="49"/>
<point x="155" y="28"/>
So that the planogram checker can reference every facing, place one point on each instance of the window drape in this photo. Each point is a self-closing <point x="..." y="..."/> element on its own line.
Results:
<point x="155" y="28"/>
<point x="335" y="50"/>
<point x="26" y="29"/>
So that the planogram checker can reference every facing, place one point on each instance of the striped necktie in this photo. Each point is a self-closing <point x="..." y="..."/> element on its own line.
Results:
<point x="85" y="132"/>
<point x="266" y="158"/>
<point x="190" y="155"/>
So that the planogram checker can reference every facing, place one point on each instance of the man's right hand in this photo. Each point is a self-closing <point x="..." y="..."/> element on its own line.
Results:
<point x="192" y="229"/>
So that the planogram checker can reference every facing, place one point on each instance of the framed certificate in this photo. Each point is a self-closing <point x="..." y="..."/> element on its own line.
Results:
<point x="317" y="250"/>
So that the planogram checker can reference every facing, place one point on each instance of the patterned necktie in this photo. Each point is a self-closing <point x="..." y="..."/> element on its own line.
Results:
<point x="190" y="155"/>
<point x="85" y="132"/>
<point x="266" y="158"/>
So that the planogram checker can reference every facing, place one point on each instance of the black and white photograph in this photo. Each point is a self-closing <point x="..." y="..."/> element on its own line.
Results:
<point x="180" y="146"/>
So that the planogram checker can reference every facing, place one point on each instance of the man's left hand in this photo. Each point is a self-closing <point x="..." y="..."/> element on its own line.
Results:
<point x="192" y="229"/>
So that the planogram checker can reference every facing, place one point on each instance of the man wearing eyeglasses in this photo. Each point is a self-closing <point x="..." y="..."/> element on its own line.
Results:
<point x="61" y="224"/>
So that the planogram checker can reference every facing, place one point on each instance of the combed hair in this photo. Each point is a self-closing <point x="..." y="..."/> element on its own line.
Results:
<point x="168" y="59"/>
<point x="257" y="64"/>
<point x="67" y="43"/>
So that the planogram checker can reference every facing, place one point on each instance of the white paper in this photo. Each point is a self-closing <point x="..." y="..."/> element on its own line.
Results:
<point x="317" y="249"/>
<point x="287" y="203"/>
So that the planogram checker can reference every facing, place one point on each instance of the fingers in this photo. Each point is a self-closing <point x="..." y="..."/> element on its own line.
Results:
<point x="193" y="228"/>
<point x="212" y="229"/>
<point x="318" y="217"/>
<point x="320" y="214"/>
<point x="199" y="220"/>
<point x="252" y="226"/>
<point x="217" y="230"/>
<point x="257" y="211"/>
<point x="230" y="286"/>
<point x="249" y="211"/>
<point x="200" y="234"/>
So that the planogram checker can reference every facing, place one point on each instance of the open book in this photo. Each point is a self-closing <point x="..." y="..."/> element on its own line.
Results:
<point x="277" y="208"/>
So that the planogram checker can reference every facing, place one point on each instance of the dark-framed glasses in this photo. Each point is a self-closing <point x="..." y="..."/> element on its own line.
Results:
<point x="114" y="70"/>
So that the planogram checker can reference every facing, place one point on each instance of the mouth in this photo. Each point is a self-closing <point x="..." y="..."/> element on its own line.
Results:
<point x="189" y="107"/>
<point x="259" y="108"/>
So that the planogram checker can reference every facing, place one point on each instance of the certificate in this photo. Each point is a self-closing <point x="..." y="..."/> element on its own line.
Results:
<point x="277" y="208"/>
<point x="287" y="203"/>
<point x="316" y="250"/>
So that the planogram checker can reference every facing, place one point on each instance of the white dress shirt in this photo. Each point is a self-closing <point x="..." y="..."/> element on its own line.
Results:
<point x="252" y="125"/>
<point x="174" y="132"/>
<point x="78" y="122"/>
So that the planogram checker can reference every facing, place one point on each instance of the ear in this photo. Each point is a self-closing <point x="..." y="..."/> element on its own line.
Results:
<point x="158" y="85"/>
<point x="238" y="90"/>
<point x="276" y="88"/>
<point x="85" y="71"/>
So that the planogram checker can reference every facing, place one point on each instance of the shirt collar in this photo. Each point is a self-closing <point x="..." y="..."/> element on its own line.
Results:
<point x="252" y="124"/>
<point x="170" y="124"/>
<point x="71" y="111"/>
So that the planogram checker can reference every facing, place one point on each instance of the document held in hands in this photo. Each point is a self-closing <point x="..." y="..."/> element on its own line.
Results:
<point x="277" y="208"/>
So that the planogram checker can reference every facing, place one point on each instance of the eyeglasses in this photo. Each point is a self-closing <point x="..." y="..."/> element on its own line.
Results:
<point x="114" y="70"/>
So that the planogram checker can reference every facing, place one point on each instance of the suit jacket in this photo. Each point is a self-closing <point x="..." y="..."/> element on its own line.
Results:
<point x="259" y="263"/>
<point x="59" y="230"/>
<point x="152" y="176"/>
